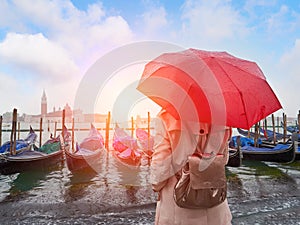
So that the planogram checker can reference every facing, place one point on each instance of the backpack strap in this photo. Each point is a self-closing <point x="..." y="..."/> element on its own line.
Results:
<point x="203" y="141"/>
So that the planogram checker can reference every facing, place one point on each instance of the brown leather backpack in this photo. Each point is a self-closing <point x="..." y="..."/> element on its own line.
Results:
<point x="203" y="189"/>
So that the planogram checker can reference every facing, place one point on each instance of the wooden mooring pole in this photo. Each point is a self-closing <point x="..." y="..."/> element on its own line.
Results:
<point x="107" y="129"/>
<point x="132" y="126"/>
<point x="55" y="127"/>
<point x="18" y="131"/>
<point x="1" y="119"/>
<point x="265" y="125"/>
<point x="148" y="127"/>
<point x="299" y="121"/>
<point x="41" y="131"/>
<point x="273" y="125"/>
<point x="148" y="147"/>
<point x="256" y="134"/>
<point x="278" y="124"/>
<point x="13" y="137"/>
<point x="63" y="124"/>
<point x="73" y="135"/>
<point x="284" y="127"/>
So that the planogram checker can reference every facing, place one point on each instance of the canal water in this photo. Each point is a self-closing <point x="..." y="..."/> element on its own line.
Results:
<point x="258" y="193"/>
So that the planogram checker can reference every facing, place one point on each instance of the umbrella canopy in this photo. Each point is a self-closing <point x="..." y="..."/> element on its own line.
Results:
<point x="210" y="87"/>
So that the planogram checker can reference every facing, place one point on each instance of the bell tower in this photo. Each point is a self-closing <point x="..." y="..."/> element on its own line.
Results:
<point x="44" y="104"/>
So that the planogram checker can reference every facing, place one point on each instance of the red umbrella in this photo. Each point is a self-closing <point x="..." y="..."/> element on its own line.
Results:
<point x="211" y="87"/>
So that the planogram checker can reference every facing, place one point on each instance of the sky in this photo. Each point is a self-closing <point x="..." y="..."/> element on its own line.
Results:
<point x="51" y="45"/>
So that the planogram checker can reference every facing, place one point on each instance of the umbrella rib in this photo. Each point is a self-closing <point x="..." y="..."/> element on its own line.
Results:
<point x="240" y="93"/>
<point x="264" y="78"/>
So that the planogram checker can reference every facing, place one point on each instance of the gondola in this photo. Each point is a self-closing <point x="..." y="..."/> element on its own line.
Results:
<point x="279" y="152"/>
<point x="234" y="151"/>
<point x="270" y="135"/>
<point x="21" y="144"/>
<point x="296" y="138"/>
<point x="87" y="154"/>
<point x="41" y="158"/>
<point x="291" y="129"/>
<point x="263" y="140"/>
<point x="126" y="148"/>
<point x="145" y="143"/>
<point x="129" y="157"/>
<point x="235" y="157"/>
<point x="282" y="153"/>
<point x="297" y="154"/>
<point x="249" y="134"/>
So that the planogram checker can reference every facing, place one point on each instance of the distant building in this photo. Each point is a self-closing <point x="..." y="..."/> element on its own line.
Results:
<point x="98" y="118"/>
<point x="44" y="104"/>
<point x="8" y="116"/>
<point x="56" y="116"/>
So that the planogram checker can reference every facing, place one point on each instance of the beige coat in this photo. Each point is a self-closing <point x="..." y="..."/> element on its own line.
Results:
<point x="174" y="142"/>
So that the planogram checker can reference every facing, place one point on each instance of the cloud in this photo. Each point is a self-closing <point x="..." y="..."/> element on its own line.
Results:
<point x="81" y="33"/>
<point x="289" y="80"/>
<point x="37" y="54"/>
<point x="277" y="22"/>
<point x="214" y="20"/>
<point x="10" y="18"/>
<point x="290" y="61"/>
<point x="154" y="19"/>
<point x="50" y="44"/>
<point x="16" y="94"/>
<point x="273" y="16"/>
<point x="251" y="5"/>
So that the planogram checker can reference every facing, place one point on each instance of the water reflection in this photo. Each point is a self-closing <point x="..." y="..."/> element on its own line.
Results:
<point x="79" y="181"/>
<point x="267" y="170"/>
<point x="26" y="181"/>
<point x="22" y="183"/>
<point x="131" y="194"/>
<point x="263" y="179"/>
<point x="235" y="184"/>
<point x="115" y="189"/>
<point x="120" y="173"/>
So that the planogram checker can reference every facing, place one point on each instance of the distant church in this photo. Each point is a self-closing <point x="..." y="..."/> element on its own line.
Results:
<point x="44" y="104"/>
<point x="56" y="115"/>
